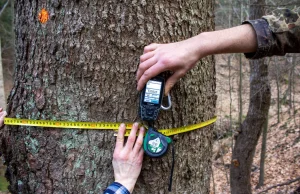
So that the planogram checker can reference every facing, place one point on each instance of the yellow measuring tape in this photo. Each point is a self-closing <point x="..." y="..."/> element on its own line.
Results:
<point x="100" y="125"/>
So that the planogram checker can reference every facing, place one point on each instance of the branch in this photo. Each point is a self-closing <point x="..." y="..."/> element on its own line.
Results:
<point x="281" y="184"/>
<point x="3" y="8"/>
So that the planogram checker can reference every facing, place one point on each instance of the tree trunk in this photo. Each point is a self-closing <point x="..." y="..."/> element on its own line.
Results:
<point x="80" y="66"/>
<point x="246" y="141"/>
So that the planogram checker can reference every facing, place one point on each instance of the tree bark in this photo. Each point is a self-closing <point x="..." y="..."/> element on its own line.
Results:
<point x="80" y="66"/>
<point x="244" y="149"/>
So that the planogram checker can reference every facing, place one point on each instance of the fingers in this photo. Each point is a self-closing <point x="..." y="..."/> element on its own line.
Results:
<point x="146" y="56"/>
<point x="134" y="144"/>
<point x="120" y="137"/>
<point x="147" y="60"/>
<point x="145" y="66"/>
<point x="132" y="137"/>
<point x="141" y="154"/>
<point x="150" y="47"/>
<point x="172" y="80"/>
<point x="139" y="142"/>
<point x="148" y="74"/>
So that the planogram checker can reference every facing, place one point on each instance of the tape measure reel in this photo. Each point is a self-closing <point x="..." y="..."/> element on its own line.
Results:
<point x="155" y="144"/>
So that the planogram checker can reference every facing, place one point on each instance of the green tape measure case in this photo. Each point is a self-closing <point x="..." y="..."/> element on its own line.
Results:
<point x="155" y="143"/>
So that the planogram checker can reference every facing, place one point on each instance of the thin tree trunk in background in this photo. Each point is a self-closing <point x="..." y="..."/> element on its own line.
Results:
<point x="2" y="95"/>
<point x="81" y="66"/>
<point x="230" y="92"/>
<point x="263" y="155"/>
<point x="290" y="86"/>
<point x="2" y="92"/>
<point x="230" y="20"/>
<point x="3" y="8"/>
<point x="278" y="89"/>
<point x="241" y="77"/>
<point x="244" y="149"/>
<point x="240" y="92"/>
<point x="293" y="89"/>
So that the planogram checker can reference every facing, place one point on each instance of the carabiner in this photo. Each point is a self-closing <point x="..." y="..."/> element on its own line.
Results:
<point x="169" y="103"/>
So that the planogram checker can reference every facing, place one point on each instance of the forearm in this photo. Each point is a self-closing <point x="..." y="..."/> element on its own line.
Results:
<point x="240" y="39"/>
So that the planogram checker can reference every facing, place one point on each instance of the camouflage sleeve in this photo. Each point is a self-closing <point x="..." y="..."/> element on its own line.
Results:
<point x="277" y="34"/>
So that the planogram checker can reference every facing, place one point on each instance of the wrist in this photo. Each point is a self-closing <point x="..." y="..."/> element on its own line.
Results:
<point x="203" y="45"/>
<point x="208" y="43"/>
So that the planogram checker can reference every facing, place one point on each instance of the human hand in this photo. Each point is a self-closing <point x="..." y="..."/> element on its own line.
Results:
<point x="178" y="57"/>
<point x="2" y="115"/>
<point x="128" y="159"/>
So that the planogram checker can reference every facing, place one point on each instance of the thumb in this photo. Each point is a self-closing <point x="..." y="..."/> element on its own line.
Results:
<point x="172" y="80"/>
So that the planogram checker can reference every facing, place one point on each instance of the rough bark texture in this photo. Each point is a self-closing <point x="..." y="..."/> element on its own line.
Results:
<point x="80" y="66"/>
<point x="260" y="96"/>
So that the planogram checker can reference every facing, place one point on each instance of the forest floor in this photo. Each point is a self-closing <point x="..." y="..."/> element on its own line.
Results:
<point x="282" y="161"/>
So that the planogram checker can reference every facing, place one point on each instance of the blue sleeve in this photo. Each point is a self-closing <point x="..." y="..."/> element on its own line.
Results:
<point x="116" y="188"/>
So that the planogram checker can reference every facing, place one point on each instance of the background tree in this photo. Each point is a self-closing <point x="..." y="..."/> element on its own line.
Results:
<point x="250" y="130"/>
<point x="80" y="66"/>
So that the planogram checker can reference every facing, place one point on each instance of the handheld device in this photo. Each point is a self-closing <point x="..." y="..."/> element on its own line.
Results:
<point x="155" y="144"/>
<point x="151" y="99"/>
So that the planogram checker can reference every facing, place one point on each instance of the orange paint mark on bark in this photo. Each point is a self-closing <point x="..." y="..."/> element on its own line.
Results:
<point x="43" y="16"/>
<point x="235" y="162"/>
